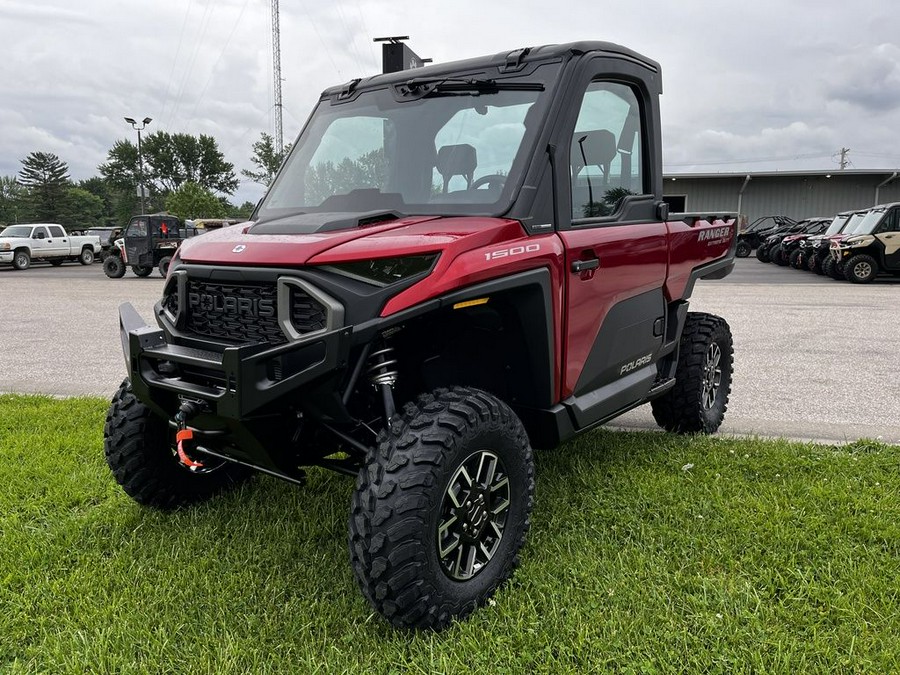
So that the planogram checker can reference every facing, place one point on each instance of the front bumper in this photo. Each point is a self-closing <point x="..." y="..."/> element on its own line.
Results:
<point x="6" y="256"/>
<point x="235" y="382"/>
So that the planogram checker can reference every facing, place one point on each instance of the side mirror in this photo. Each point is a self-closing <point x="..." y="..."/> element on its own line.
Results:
<point x="662" y="211"/>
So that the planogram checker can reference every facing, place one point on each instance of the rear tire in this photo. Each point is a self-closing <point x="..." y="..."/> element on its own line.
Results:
<point x="699" y="399"/>
<point x="113" y="267"/>
<point x="861" y="269"/>
<point x="455" y="471"/>
<point x="140" y="271"/>
<point x="139" y="449"/>
<point x="21" y="260"/>
<point x="86" y="257"/>
<point x="742" y="250"/>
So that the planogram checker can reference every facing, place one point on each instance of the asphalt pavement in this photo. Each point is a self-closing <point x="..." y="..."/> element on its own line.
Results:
<point x="815" y="359"/>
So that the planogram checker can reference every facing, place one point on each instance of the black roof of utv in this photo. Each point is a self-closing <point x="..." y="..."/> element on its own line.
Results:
<point x="506" y="62"/>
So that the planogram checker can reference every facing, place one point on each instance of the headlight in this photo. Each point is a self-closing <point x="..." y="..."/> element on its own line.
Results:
<point x="385" y="271"/>
<point x="5" y="246"/>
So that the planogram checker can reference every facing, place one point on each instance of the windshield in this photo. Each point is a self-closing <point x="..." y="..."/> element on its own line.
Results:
<point x="17" y="231"/>
<point x="836" y="225"/>
<point x="869" y="222"/>
<point x="457" y="149"/>
<point x="853" y="224"/>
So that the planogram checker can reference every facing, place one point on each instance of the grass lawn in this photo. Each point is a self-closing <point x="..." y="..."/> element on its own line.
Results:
<point x="648" y="553"/>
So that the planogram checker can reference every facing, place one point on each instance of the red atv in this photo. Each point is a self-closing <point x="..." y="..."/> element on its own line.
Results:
<point x="454" y="266"/>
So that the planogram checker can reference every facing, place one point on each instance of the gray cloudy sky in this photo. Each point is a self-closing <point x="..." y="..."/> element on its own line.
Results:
<point x="763" y="85"/>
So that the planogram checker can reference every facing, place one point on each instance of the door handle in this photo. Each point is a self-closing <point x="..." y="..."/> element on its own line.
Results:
<point x="585" y="265"/>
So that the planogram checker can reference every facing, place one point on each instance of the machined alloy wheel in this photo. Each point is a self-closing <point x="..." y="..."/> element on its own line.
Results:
<point x="473" y="515"/>
<point x="441" y="508"/>
<point x="712" y="375"/>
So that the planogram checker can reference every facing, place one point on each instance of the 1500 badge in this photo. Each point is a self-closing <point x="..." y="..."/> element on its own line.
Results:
<point x="510" y="252"/>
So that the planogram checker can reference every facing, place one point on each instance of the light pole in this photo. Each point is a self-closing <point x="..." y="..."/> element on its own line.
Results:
<point x="137" y="128"/>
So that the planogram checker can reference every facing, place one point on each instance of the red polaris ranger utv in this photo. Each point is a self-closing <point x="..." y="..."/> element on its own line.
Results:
<point x="454" y="265"/>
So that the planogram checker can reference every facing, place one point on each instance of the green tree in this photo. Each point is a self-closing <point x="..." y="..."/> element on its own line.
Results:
<point x="327" y="178"/>
<point x="267" y="160"/>
<point x="81" y="209"/>
<point x="244" y="211"/>
<point x="170" y="161"/>
<point x="118" y="203"/>
<point x="12" y="200"/>
<point x="191" y="200"/>
<point x="45" y="178"/>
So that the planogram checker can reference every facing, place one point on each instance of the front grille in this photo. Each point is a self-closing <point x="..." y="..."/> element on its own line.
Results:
<point x="307" y="314"/>
<point x="243" y="312"/>
<point x="238" y="313"/>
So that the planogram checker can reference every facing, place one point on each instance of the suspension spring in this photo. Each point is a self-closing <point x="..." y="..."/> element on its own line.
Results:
<point x="382" y="367"/>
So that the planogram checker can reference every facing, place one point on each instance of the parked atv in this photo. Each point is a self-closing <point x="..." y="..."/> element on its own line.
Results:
<point x="149" y="242"/>
<point x="757" y="232"/>
<point x="790" y="252"/>
<point x="874" y="246"/>
<point x="764" y="251"/>
<point x="817" y="249"/>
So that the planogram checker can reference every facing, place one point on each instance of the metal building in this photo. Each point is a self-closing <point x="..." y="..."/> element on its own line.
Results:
<point x="797" y="194"/>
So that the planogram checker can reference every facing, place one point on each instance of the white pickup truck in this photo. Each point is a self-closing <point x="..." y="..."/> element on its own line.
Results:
<point x="20" y="244"/>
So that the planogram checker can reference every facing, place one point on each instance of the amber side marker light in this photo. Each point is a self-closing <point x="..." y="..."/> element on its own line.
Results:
<point x="470" y="303"/>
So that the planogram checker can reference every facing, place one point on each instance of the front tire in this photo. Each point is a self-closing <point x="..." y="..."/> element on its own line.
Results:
<point x="797" y="259"/>
<point x="441" y="508"/>
<point x="139" y="449"/>
<point x="762" y="253"/>
<point x="743" y="249"/>
<point x="861" y="269"/>
<point x="86" y="257"/>
<point x="114" y="267"/>
<point x="21" y="260"/>
<point x="777" y="255"/>
<point x="699" y="399"/>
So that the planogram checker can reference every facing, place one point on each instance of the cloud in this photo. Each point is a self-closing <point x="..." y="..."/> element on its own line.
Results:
<point x="869" y="79"/>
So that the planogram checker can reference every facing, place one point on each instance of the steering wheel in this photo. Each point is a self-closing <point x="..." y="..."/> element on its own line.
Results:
<point x="492" y="180"/>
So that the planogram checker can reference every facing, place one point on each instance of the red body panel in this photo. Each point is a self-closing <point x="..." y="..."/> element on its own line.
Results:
<point x="634" y="259"/>
<point x="691" y="245"/>
<point x="281" y="250"/>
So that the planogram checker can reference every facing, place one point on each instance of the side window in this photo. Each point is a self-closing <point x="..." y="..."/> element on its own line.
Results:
<point x="40" y="233"/>
<point x="892" y="222"/>
<point x="605" y="160"/>
<point x="137" y="228"/>
<point x="57" y="231"/>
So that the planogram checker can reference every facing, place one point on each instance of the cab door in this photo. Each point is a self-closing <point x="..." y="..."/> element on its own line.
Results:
<point x="41" y="243"/>
<point x="889" y="237"/>
<point x="616" y="245"/>
<point x="58" y="242"/>
<point x="137" y="240"/>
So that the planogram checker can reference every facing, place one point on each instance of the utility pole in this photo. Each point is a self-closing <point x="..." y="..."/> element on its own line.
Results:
<point x="844" y="160"/>
<point x="276" y="70"/>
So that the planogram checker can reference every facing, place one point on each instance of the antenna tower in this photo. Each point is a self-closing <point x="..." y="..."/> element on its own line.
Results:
<point x="276" y="71"/>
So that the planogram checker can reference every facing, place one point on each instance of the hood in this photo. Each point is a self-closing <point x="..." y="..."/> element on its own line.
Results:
<point x="329" y="238"/>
